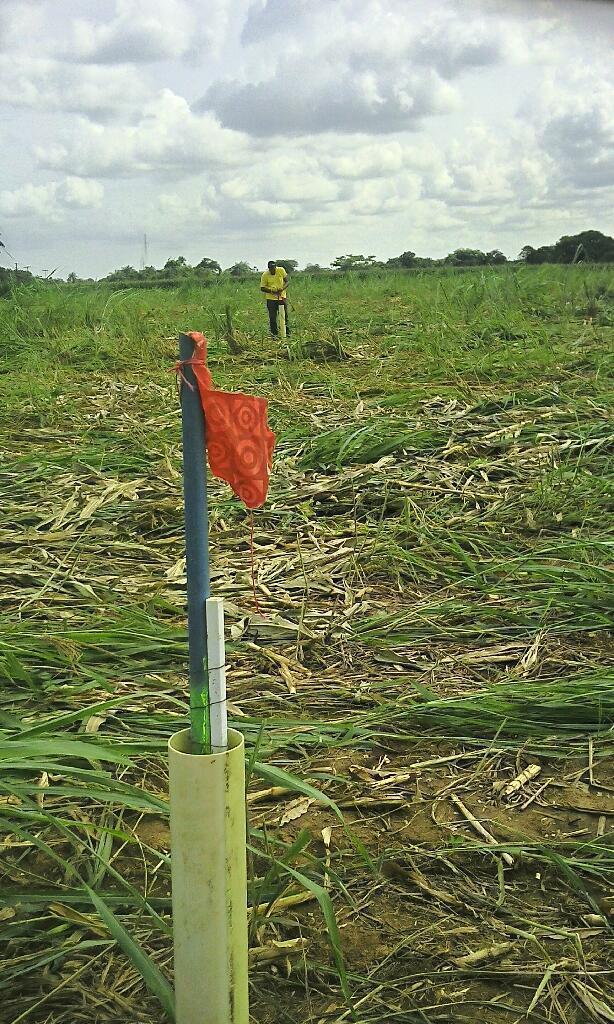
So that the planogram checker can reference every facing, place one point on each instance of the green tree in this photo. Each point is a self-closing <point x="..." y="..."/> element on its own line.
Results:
<point x="240" y="269"/>
<point x="406" y="259"/>
<point x="587" y="245"/>
<point x="177" y="268"/>
<point x="495" y="256"/>
<point x="72" y="278"/>
<point x="545" y="254"/>
<point x="207" y="264"/>
<point x="126" y="273"/>
<point x="466" y="258"/>
<point x="352" y="262"/>
<point x="288" y="265"/>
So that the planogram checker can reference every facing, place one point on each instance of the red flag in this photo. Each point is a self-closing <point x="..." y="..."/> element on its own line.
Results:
<point x="239" y="441"/>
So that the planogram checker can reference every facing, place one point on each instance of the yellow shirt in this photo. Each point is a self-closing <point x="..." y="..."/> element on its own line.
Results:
<point x="275" y="282"/>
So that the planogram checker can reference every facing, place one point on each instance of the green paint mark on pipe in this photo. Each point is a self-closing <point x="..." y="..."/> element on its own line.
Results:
<point x="200" y="720"/>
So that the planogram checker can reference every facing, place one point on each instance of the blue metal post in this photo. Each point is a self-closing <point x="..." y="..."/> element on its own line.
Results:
<point x="197" y="549"/>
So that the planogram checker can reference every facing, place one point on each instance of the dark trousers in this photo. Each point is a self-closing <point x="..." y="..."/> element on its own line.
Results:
<point x="273" y="305"/>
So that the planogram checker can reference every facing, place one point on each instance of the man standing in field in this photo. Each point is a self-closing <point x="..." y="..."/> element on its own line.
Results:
<point x="273" y="284"/>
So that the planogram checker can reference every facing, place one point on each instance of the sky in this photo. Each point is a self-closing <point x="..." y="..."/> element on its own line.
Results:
<point x="301" y="129"/>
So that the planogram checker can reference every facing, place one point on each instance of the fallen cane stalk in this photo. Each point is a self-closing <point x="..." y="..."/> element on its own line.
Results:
<point x="479" y="828"/>
<point x="280" y="659"/>
<point x="283" y="903"/>
<point x="277" y="951"/>
<point x="509" y="788"/>
<point x="482" y="956"/>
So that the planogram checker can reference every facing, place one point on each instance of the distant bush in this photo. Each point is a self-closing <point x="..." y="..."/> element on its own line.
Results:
<point x="10" y="278"/>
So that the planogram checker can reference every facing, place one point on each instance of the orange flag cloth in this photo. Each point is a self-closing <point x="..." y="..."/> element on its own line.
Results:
<point x="239" y="442"/>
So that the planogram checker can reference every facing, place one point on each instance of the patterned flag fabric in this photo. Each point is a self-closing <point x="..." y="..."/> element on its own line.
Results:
<point x="239" y="441"/>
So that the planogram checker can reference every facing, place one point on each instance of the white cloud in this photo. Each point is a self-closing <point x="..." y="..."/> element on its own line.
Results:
<point x="141" y="31"/>
<point x="168" y="138"/>
<point x="45" y="83"/>
<point x="50" y="201"/>
<point x="188" y="209"/>
<point x="283" y="178"/>
<point x="19" y="20"/>
<point x="35" y="200"/>
<point x="384" y="196"/>
<point x="276" y="212"/>
<point x="81" y="193"/>
<point x="266" y="18"/>
<point x="366" y="160"/>
<point x="384" y="71"/>
<point x="312" y="96"/>
<point x="145" y="32"/>
<point x="452" y="46"/>
<point x="575" y="125"/>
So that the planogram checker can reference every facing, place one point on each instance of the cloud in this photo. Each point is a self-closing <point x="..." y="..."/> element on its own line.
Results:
<point x="302" y="186"/>
<point x="359" y="157"/>
<point x="483" y="170"/>
<point x="36" y="200"/>
<point x="44" y="83"/>
<point x="305" y="98"/>
<point x="19" y="20"/>
<point x="272" y="212"/>
<point x="575" y="126"/>
<point x="150" y="31"/>
<point x="187" y="209"/>
<point x="270" y="17"/>
<point x="368" y="161"/>
<point x="582" y="143"/>
<point x="284" y="178"/>
<point x="50" y="201"/>
<point x="167" y="139"/>
<point x="80" y="193"/>
<point x="379" y="198"/>
<point x="142" y="31"/>
<point x="452" y="46"/>
<point x="330" y="71"/>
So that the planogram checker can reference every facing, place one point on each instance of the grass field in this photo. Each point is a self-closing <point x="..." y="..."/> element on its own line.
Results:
<point x="434" y="569"/>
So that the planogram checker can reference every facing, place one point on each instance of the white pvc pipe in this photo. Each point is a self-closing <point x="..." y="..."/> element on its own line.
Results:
<point x="216" y="658"/>
<point x="209" y="878"/>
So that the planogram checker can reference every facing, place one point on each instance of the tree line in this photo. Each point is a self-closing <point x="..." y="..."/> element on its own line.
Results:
<point x="587" y="247"/>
